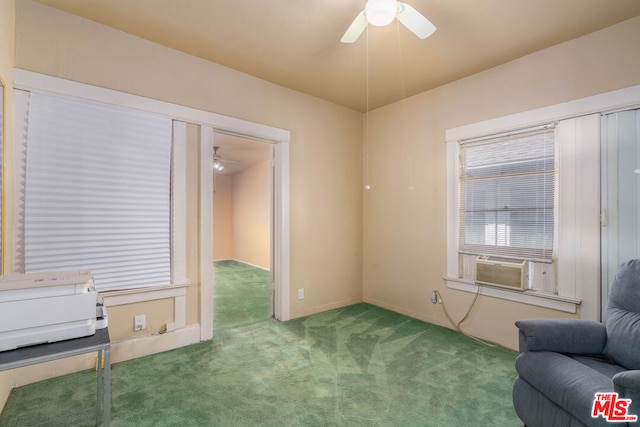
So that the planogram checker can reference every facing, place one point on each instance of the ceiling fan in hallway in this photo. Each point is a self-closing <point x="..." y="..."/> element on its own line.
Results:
<point x="383" y="12"/>
<point x="219" y="162"/>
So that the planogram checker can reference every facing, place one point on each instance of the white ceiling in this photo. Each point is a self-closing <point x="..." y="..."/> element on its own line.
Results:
<point x="296" y="44"/>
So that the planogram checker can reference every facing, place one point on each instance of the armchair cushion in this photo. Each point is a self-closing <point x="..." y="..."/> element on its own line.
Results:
<point x="562" y="336"/>
<point x="622" y="316"/>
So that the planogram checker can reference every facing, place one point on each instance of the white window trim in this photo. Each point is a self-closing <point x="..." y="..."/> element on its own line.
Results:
<point x="179" y="204"/>
<point x="569" y="272"/>
<point x="555" y="302"/>
<point x="206" y="230"/>
<point x="30" y="81"/>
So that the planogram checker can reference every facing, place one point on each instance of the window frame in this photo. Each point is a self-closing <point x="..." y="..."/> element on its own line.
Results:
<point x="578" y="263"/>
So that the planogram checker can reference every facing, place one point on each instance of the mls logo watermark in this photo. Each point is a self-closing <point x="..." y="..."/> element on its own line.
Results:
<point x="610" y="407"/>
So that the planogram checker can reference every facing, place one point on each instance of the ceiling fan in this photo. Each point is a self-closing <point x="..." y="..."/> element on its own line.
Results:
<point x="383" y="12"/>
<point x="218" y="162"/>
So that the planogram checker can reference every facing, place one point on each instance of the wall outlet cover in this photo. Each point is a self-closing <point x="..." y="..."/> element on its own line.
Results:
<point x="140" y="322"/>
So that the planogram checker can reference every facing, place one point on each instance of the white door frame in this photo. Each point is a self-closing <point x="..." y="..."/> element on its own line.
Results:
<point x="28" y="80"/>
<point x="280" y="226"/>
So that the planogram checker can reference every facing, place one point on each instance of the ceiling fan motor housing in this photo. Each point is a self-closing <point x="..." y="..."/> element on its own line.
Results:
<point x="381" y="12"/>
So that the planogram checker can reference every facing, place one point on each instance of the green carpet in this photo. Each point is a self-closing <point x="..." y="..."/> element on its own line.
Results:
<point x="241" y="294"/>
<point x="355" y="366"/>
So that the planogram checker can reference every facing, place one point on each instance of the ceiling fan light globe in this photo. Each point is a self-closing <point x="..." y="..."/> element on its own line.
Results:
<point x="381" y="12"/>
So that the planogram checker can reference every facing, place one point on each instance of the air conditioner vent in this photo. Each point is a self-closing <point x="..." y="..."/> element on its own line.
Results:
<point x="505" y="274"/>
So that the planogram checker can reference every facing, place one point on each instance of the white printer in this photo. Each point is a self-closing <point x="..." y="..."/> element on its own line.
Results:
<point x="39" y="308"/>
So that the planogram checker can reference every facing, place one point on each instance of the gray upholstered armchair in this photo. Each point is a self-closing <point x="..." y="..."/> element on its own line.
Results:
<point x="563" y="363"/>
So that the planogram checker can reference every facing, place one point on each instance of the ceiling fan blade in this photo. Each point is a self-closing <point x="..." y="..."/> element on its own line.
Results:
<point x="415" y="21"/>
<point x="355" y="29"/>
<point x="221" y="160"/>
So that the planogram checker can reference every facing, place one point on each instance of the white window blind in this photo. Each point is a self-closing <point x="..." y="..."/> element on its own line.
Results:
<point x="97" y="192"/>
<point x="507" y="188"/>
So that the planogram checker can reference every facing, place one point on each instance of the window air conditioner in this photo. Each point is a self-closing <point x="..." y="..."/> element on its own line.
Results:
<point x="505" y="274"/>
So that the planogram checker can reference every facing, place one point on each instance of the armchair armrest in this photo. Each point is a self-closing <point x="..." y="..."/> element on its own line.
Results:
<point x="628" y="379"/>
<point x="627" y="385"/>
<point x="562" y="336"/>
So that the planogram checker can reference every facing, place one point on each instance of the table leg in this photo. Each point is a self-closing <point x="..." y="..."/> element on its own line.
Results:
<point x="107" y="386"/>
<point x="100" y="390"/>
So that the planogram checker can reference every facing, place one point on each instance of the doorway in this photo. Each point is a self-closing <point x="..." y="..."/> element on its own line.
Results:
<point x="242" y="228"/>
<point x="281" y="270"/>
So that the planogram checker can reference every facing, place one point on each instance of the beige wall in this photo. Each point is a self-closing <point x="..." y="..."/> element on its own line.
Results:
<point x="7" y="26"/>
<point x="222" y="217"/>
<point x="252" y="215"/>
<point x="326" y="208"/>
<point x="242" y="216"/>
<point x="405" y="231"/>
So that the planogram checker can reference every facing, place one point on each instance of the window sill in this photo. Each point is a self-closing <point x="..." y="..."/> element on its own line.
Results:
<point x="554" y="302"/>
<point x="130" y="296"/>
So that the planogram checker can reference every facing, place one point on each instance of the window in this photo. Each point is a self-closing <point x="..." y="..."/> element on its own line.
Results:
<point x="507" y="187"/>
<point x="577" y="225"/>
<point x="97" y="192"/>
<point x="571" y="279"/>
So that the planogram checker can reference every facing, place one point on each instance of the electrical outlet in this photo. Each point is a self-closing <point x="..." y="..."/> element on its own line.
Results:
<point x="139" y="322"/>
<point x="434" y="297"/>
<point x="301" y="293"/>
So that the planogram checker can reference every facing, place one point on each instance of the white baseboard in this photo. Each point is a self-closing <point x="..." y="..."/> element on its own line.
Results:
<point x="120" y="351"/>
<point x="6" y="385"/>
<point x="428" y="319"/>
<point x="321" y="308"/>
<point x="408" y="313"/>
<point x="152" y="344"/>
<point x="244" y="262"/>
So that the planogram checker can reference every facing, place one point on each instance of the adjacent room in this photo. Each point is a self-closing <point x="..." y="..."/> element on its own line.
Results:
<point x="313" y="213"/>
<point x="242" y="226"/>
